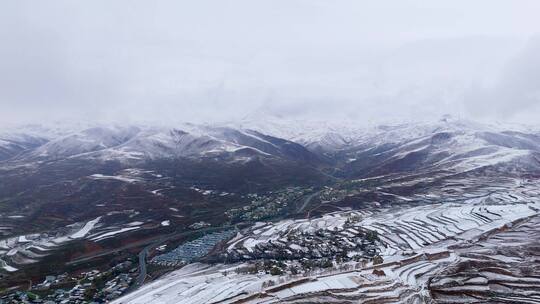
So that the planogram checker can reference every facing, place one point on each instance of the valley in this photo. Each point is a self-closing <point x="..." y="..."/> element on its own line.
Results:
<point x="242" y="214"/>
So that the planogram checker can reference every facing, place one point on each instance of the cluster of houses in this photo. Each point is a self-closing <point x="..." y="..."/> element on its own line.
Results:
<point x="329" y="194"/>
<point x="52" y="280"/>
<point x="93" y="286"/>
<point x="116" y="287"/>
<point x="345" y="243"/>
<point x="193" y="250"/>
<point x="266" y="206"/>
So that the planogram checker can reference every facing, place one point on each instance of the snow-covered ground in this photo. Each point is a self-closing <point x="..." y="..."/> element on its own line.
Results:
<point x="114" y="177"/>
<point x="102" y="236"/>
<point x="416" y="243"/>
<point x="28" y="249"/>
<point x="414" y="240"/>
<point x="197" y="283"/>
<point x="85" y="229"/>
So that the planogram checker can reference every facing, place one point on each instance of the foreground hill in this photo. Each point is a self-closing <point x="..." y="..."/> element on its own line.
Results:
<point x="479" y="250"/>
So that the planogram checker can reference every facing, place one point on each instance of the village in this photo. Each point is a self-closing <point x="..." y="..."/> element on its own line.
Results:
<point x="92" y="286"/>
<point x="345" y="243"/>
<point x="268" y="205"/>
<point x="192" y="250"/>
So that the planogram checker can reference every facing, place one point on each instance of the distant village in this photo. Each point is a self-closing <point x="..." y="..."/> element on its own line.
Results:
<point x="88" y="287"/>
<point x="267" y="206"/>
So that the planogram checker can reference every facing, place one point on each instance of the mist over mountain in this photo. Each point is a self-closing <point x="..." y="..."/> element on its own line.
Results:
<point x="283" y="151"/>
<point x="213" y="62"/>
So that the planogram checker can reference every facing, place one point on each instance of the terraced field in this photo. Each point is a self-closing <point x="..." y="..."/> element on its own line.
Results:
<point x="503" y="268"/>
<point x="405" y="229"/>
<point x="27" y="249"/>
<point x="481" y="250"/>
<point x="18" y="252"/>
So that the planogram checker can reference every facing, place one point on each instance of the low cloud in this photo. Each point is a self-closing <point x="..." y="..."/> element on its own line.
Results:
<point x="515" y="95"/>
<point x="222" y="60"/>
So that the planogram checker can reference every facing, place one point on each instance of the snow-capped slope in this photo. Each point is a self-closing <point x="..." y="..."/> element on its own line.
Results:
<point x="333" y="136"/>
<point x="88" y="140"/>
<point x="321" y="136"/>
<point x="446" y="144"/>
<point x="14" y="144"/>
<point x="141" y="143"/>
<point x="172" y="143"/>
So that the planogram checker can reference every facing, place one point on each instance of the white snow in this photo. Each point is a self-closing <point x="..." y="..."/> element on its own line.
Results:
<point x="405" y="265"/>
<point x="112" y="233"/>
<point x="85" y="229"/>
<point x="6" y="267"/>
<point x="113" y="177"/>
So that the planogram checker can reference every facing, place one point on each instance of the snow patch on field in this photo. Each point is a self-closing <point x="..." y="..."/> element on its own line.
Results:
<point x="114" y="177"/>
<point x="107" y="235"/>
<point x="28" y="249"/>
<point x="85" y="229"/>
<point x="6" y="267"/>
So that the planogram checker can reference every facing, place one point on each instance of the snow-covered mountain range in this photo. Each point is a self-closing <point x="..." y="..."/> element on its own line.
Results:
<point x="443" y="144"/>
<point x="125" y="143"/>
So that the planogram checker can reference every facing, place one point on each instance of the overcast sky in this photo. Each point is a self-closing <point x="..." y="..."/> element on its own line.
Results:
<point x="221" y="60"/>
